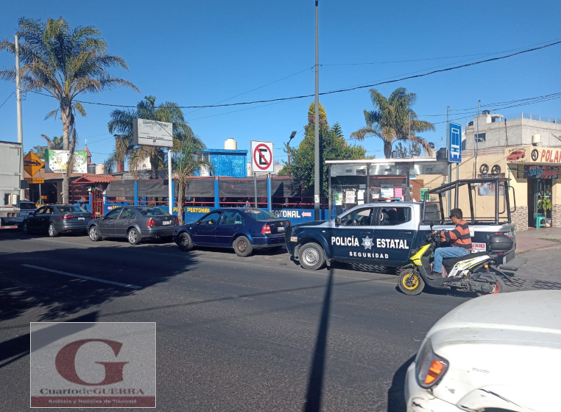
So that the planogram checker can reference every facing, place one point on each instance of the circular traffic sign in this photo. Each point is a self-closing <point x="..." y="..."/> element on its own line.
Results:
<point x="258" y="156"/>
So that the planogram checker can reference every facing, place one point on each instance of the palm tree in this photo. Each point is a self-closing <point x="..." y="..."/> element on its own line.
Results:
<point x="63" y="63"/>
<point x="55" y="143"/>
<point x="185" y="163"/>
<point x="122" y="122"/>
<point x="394" y="119"/>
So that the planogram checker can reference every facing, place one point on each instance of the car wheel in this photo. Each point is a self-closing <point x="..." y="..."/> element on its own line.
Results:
<point x="25" y="228"/>
<point x="243" y="246"/>
<point x="52" y="230"/>
<point x="184" y="242"/>
<point x="311" y="256"/>
<point x="133" y="236"/>
<point x="94" y="234"/>
<point x="410" y="282"/>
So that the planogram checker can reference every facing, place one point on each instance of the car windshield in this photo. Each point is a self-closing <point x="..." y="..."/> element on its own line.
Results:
<point x="27" y="206"/>
<point x="71" y="208"/>
<point x="153" y="211"/>
<point x="260" y="214"/>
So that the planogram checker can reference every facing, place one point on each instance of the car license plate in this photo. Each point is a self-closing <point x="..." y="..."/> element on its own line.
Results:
<point x="81" y="218"/>
<point x="294" y="238"/>
<point x="281" y="229"/>
<point x="166" y="222"/>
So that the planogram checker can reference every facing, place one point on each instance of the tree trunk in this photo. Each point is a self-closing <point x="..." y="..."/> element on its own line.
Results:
<point x="65" y="114"/>
<point x="181" y="189"/>
<point x="387" y="149"/>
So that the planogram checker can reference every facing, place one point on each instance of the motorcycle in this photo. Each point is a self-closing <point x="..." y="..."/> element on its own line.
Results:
<point x="475" y="272"/>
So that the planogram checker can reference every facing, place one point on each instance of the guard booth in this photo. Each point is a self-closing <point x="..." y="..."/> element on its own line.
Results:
<point x="355" y="182"/>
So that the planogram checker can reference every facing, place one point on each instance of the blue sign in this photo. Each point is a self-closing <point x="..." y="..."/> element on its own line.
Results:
<point x="454" y="143"/>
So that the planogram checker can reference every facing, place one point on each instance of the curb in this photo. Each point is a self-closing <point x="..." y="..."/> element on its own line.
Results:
<point x="543" y="248"/>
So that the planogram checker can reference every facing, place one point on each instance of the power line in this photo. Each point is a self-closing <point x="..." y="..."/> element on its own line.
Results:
<point x="7" y="99"/>
<point x="346" y="89"/>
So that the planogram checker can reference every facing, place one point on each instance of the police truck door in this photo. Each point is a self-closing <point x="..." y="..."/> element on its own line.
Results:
<point x="394" y="230"/>
<point x="352" y="238"/>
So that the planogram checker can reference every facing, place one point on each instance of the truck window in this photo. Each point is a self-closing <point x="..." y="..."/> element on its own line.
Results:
<point x="391" y="216"/>
<point x="360" y="217"/>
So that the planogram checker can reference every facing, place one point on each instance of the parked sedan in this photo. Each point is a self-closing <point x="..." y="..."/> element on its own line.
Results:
<point x="241" y="229"/>
<point x="497" y="352"/>
<point x="57" y="219"/>
<point x="134" y="223"/>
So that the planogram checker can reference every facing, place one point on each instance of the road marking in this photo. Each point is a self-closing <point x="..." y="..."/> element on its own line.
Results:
<point x="125" y="285"/>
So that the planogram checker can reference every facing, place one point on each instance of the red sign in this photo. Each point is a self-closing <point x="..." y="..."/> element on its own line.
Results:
<point x="263" y="157"/>
<point x="550" y="155"/>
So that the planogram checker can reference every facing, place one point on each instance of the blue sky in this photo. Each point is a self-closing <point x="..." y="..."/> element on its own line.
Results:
<point x="203" y="52"/>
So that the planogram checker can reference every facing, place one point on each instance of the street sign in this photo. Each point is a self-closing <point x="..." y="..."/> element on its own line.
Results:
<point x="262" y="158"/>
<point x="455" y="143"/>
<point x="32" y="164"/>
<point x="35" y="180"/>
<point x="152" y="133"/>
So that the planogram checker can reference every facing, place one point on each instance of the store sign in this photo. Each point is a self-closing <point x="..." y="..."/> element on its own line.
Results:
<point x="530" y="154"/>
<point x="541" y="172"/>
<point x="56" y="161"/>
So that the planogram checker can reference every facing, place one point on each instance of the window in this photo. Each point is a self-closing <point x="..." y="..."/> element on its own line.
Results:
<point x="153" y="211"/>
<point x="27" y="206"/>
<point x="67" y="209"/>
<point x="210" y="219"/>
<point x="231" y="217"/>
<point x="49" y="210"/>
<point x="359" y="217"/>
<point x="391" y="216"/>
<point x="258" y="214"/>
<point x="41" y="211"/>
<point x="127" y="214"/>
<point x="114" y="214"/>
<point x="480" y="137"/>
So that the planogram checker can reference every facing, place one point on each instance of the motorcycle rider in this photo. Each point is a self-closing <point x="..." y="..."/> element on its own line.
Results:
<point x="459" y="239"/>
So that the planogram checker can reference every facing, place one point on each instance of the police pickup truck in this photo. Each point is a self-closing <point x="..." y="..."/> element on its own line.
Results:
<point x="384" y="234"/>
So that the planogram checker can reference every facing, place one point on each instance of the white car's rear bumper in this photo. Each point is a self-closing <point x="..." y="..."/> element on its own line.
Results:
<point x="421" y="400"/>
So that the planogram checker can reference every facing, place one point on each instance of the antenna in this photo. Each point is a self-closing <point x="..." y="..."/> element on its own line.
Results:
<point x="557" y="137"/>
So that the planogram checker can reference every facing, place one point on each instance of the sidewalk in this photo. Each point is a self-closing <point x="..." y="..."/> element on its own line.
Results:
<point x="546" y="238"/>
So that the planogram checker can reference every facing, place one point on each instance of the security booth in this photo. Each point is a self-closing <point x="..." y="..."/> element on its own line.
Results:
<point x="355" y="182"/>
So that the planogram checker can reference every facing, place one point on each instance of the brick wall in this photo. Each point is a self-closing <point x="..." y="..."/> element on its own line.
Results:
<point x="556" y="216"/>
<point x="520" y="218"/>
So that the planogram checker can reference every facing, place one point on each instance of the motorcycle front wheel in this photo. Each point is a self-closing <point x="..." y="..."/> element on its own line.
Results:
<point x="410" y="282"/>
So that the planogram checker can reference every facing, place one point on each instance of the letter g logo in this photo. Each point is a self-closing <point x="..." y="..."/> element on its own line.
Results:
<point x="65" y="363"/>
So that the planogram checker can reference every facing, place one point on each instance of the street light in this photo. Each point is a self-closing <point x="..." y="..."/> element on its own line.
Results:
<point x="288" y="147"/>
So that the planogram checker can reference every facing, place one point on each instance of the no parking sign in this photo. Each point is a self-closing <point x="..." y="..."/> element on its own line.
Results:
<point x="262" y="159"/>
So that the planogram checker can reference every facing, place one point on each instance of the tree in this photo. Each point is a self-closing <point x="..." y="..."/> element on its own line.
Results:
<point x="54" y="144"/>
<point x="333" y="146"/>
<point x="122" y="122"/>
<point x="394" y="119"/>
<point x="64" y="63"/>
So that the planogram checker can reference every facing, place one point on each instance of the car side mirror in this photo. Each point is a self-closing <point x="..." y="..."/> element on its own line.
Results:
<point x="198" y="222"/>
<point x="337" y="221"/>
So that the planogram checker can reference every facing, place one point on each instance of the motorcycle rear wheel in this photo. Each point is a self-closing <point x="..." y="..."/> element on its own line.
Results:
<point x="410" y="282"/>
<point x="499" y="288"/>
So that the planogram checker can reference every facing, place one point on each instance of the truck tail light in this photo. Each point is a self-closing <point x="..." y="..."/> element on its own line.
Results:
<point x="430" y="367"/>
<point x="266" y="230"/>
<point x="151" y="223"/>
<point x="66" y="217"/>
<point x="507" y="234"/>
<point x="92" y="216"/>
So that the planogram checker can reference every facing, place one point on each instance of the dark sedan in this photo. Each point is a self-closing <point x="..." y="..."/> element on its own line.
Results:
<point x="134" y="223"/>
<point x="57" y="219"/>
<point x="241" y="229"/>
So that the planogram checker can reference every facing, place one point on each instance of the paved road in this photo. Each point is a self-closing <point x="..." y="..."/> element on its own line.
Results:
<point x="233" y="334"/>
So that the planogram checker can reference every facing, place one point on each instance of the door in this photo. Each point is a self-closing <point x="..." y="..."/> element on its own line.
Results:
<point x="394" y="230"/>
<point x="352" y="238"/>
<point x="122" y="223"/>
<point x="204" y="231"/>
<point x="33" y="221"/>
<point x="45" y="218"/>
<point x="230" y="223"/>
<point x="106" y="225"/>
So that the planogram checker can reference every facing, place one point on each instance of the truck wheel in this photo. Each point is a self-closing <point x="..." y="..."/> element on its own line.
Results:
<point x="311" y="256"/>
<point x="243" y="246"/>
<point x="94" y="234"/>
<point x="133" y="236"/>
<point x="410" y="282"/>
<point x="184" y="242"/>
<point x="52" y="230"/>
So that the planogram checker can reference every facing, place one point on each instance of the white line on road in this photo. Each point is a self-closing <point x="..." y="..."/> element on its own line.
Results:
<point x="125" y="285"/>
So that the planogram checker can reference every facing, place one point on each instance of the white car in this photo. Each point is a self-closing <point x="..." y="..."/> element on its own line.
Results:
<point x="498" y="352"/>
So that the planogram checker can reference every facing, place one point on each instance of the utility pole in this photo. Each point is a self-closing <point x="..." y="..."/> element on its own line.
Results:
<point x="20" y="125"/>
<point x="317" y="179"/>
<point x="448" y="146"/>
<point x="409" y="133"/>
<point x="477" y="139"/>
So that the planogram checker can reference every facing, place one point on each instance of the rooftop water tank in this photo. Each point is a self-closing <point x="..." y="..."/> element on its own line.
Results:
<point x="230" y="144"/>
<point x="100" y="169"/>
<point x="91" y="168"/>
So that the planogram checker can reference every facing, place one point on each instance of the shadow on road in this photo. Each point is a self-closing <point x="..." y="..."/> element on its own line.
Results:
<point x="396" y="399"/>
<point x="317" y="370"/>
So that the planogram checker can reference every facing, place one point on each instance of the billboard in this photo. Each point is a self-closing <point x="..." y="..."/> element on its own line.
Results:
<point x="152" y="133"/>
<point x="56" y="161"/>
